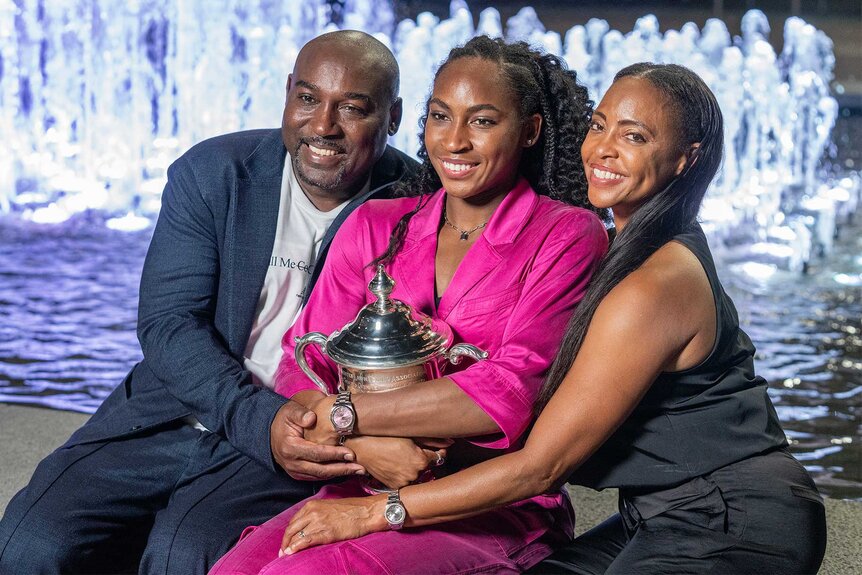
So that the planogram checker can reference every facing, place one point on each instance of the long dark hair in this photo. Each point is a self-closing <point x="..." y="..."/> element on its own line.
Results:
<point x="542" y="85"/>
<point x="664" y="215"/>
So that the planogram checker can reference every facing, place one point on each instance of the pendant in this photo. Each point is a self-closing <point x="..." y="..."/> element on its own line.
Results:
<point x="465" y="236"/>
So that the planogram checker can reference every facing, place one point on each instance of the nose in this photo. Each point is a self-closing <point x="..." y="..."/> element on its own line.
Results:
<point x="457" y="139"/>
<point x="603" y="144"/>
<point x="324" y="122"/>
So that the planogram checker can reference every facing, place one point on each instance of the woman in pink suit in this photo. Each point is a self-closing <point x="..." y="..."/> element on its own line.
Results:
<point x="498" y="249"/>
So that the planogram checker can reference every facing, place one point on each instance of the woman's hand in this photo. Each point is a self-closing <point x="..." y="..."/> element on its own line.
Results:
<point x="396" y="461"/>
<point x="323" y="521"/>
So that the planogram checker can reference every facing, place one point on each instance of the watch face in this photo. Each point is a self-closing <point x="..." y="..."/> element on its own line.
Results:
<point x="395" y="513"/>
<point x="342" y="418"/>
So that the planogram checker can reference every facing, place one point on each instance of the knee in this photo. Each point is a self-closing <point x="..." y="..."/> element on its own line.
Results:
<point x="185" y="549"/>
<point x="30" y="551"/>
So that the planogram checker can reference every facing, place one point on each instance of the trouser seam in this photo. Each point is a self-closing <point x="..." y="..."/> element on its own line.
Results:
<point x="176" y="529"/>
<point x="33" y="503"/>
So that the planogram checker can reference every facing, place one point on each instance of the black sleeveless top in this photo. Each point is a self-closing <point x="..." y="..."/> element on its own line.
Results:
<point x="695" y="421"/>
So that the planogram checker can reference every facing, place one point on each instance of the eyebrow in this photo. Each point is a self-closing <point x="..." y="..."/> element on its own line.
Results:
<point x="641" y="125"/>
<point x="358" y="96"/>
<point x="470" y="110"/>
<point x="346" y="95"/>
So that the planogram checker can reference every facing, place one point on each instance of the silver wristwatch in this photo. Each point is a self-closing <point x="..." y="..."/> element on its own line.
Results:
<point x="394" y="512"/>
<point x="343" y="415"/>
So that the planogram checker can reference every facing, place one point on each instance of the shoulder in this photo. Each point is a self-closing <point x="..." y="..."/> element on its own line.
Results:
<point x="392" y="166"/>
<point x="666" y="294"/>
<point x="231" y="148"/>
<point x="402" y="162"/>
<point x="213" y="166"/>
<point x="571" y="225"/>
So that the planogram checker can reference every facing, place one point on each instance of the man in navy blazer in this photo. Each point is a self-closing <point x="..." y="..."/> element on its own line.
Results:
<point x="188" y="450"/>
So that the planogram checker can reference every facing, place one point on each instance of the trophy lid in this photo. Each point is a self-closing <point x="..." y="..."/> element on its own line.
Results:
<point x="385" y="334"/>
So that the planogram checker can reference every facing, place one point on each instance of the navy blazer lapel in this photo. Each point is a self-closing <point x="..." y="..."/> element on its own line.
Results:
<point x="252" y="223"/>
<point x="393" y="166"/>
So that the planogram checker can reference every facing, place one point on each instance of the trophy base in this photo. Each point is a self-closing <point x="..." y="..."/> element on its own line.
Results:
<point x="370" y="380"/>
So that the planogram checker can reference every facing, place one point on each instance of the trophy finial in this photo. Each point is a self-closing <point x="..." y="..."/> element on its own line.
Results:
<point x="381" y="286"/>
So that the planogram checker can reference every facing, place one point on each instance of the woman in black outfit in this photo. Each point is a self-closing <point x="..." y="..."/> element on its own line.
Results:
<point x="654" y="391"/>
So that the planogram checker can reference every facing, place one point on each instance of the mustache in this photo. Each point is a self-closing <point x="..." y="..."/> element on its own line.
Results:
<point x="319" y="142"/>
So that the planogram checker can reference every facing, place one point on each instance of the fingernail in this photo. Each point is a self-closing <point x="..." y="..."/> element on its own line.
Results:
<point x="281" y="552"/>
<point x="349" y="457"/>
<point x="360" y="472"/>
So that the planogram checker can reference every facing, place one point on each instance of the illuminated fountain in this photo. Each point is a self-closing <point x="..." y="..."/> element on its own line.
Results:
<point x="93" y="107"/>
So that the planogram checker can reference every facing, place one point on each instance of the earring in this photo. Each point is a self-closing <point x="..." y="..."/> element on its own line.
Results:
<point x="530" y="142"/>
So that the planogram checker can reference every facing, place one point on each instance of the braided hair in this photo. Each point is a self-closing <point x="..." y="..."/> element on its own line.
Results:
<point x="542" y="85"/>
<point x="664" y="215"/>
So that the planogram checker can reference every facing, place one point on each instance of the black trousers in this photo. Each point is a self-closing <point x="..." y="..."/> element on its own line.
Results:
<point x="170" y="500"/>
<point x="761" y="515"/>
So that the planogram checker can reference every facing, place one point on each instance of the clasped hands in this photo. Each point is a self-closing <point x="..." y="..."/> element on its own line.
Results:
<point x="305" y="445"/>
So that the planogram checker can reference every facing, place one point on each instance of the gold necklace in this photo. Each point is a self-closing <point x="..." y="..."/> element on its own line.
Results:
<point x="465" y="234"/>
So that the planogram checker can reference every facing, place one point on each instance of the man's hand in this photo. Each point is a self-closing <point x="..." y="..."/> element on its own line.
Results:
<point x="303" y="459"/>
<point x="321" y="406"/>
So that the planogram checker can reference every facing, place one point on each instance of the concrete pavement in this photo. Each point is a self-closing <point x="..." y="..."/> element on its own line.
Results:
<point x="27" y="434"/>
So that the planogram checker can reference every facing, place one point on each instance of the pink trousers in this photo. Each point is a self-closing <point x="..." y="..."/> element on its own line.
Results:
<point x="507" y="540"/>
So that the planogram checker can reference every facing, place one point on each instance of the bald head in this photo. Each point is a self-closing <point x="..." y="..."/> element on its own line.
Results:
<point x="364" y="51"/>
<point x="342" y="104"/>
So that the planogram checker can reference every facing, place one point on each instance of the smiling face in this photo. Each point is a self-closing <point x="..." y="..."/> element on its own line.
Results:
<point x="338" y="113"/>
<point x="632" y="150"/>
<point x="474" y="134"/>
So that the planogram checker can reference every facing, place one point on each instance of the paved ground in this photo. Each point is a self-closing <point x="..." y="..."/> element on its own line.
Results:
<point x="27" y="434"/>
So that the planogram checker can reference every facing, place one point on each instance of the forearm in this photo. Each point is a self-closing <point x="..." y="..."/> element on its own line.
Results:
<point x="436" y="408"/>
<point x="494" y="483"/>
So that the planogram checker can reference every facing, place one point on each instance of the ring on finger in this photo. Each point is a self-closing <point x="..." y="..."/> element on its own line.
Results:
<point x="440" y="459"/>
<point x="301" y="534"/>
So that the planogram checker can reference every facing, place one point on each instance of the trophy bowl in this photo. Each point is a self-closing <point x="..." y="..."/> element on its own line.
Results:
<point x="388" y="345"/>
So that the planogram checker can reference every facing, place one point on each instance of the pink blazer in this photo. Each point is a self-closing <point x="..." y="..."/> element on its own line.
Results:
<point x="512" y="295"/>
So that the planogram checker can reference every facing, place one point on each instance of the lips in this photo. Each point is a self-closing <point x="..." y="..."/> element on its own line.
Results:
<point x="458" y="168"/>
<point x="320" y="153"/>
<point x="602" y="174"/>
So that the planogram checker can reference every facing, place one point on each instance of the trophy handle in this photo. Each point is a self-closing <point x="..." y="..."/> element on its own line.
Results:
<point x="299" y="355"/>
<point x="461" y="349"/>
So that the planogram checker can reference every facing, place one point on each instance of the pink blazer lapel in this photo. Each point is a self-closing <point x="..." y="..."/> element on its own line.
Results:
<point x="415" y="263"/>
<point x="477" y="263"/>
<point x="417" y="258"/>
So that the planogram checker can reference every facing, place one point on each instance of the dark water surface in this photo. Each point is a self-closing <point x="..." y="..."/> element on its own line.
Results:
<point x="68" y="297"/>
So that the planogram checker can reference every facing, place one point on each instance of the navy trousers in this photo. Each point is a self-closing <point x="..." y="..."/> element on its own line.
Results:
<point x="761" y="515"/>
<point x="170" y="500"/>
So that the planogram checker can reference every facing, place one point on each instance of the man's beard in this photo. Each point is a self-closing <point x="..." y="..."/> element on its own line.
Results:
<point x="337" y="177"/>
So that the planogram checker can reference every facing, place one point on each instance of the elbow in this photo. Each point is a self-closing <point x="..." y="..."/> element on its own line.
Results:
<point x="548" y="480"/>
<point x="541" y="477"/>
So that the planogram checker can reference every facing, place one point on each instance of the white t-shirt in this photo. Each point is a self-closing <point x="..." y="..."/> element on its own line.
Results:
<point x="300" y="231"/>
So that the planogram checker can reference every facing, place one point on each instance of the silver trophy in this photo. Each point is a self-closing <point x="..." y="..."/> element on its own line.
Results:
<point x="387" y="345"/>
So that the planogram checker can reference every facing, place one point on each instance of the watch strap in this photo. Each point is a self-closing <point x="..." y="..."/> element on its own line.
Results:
<point x="395" y="513"/>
